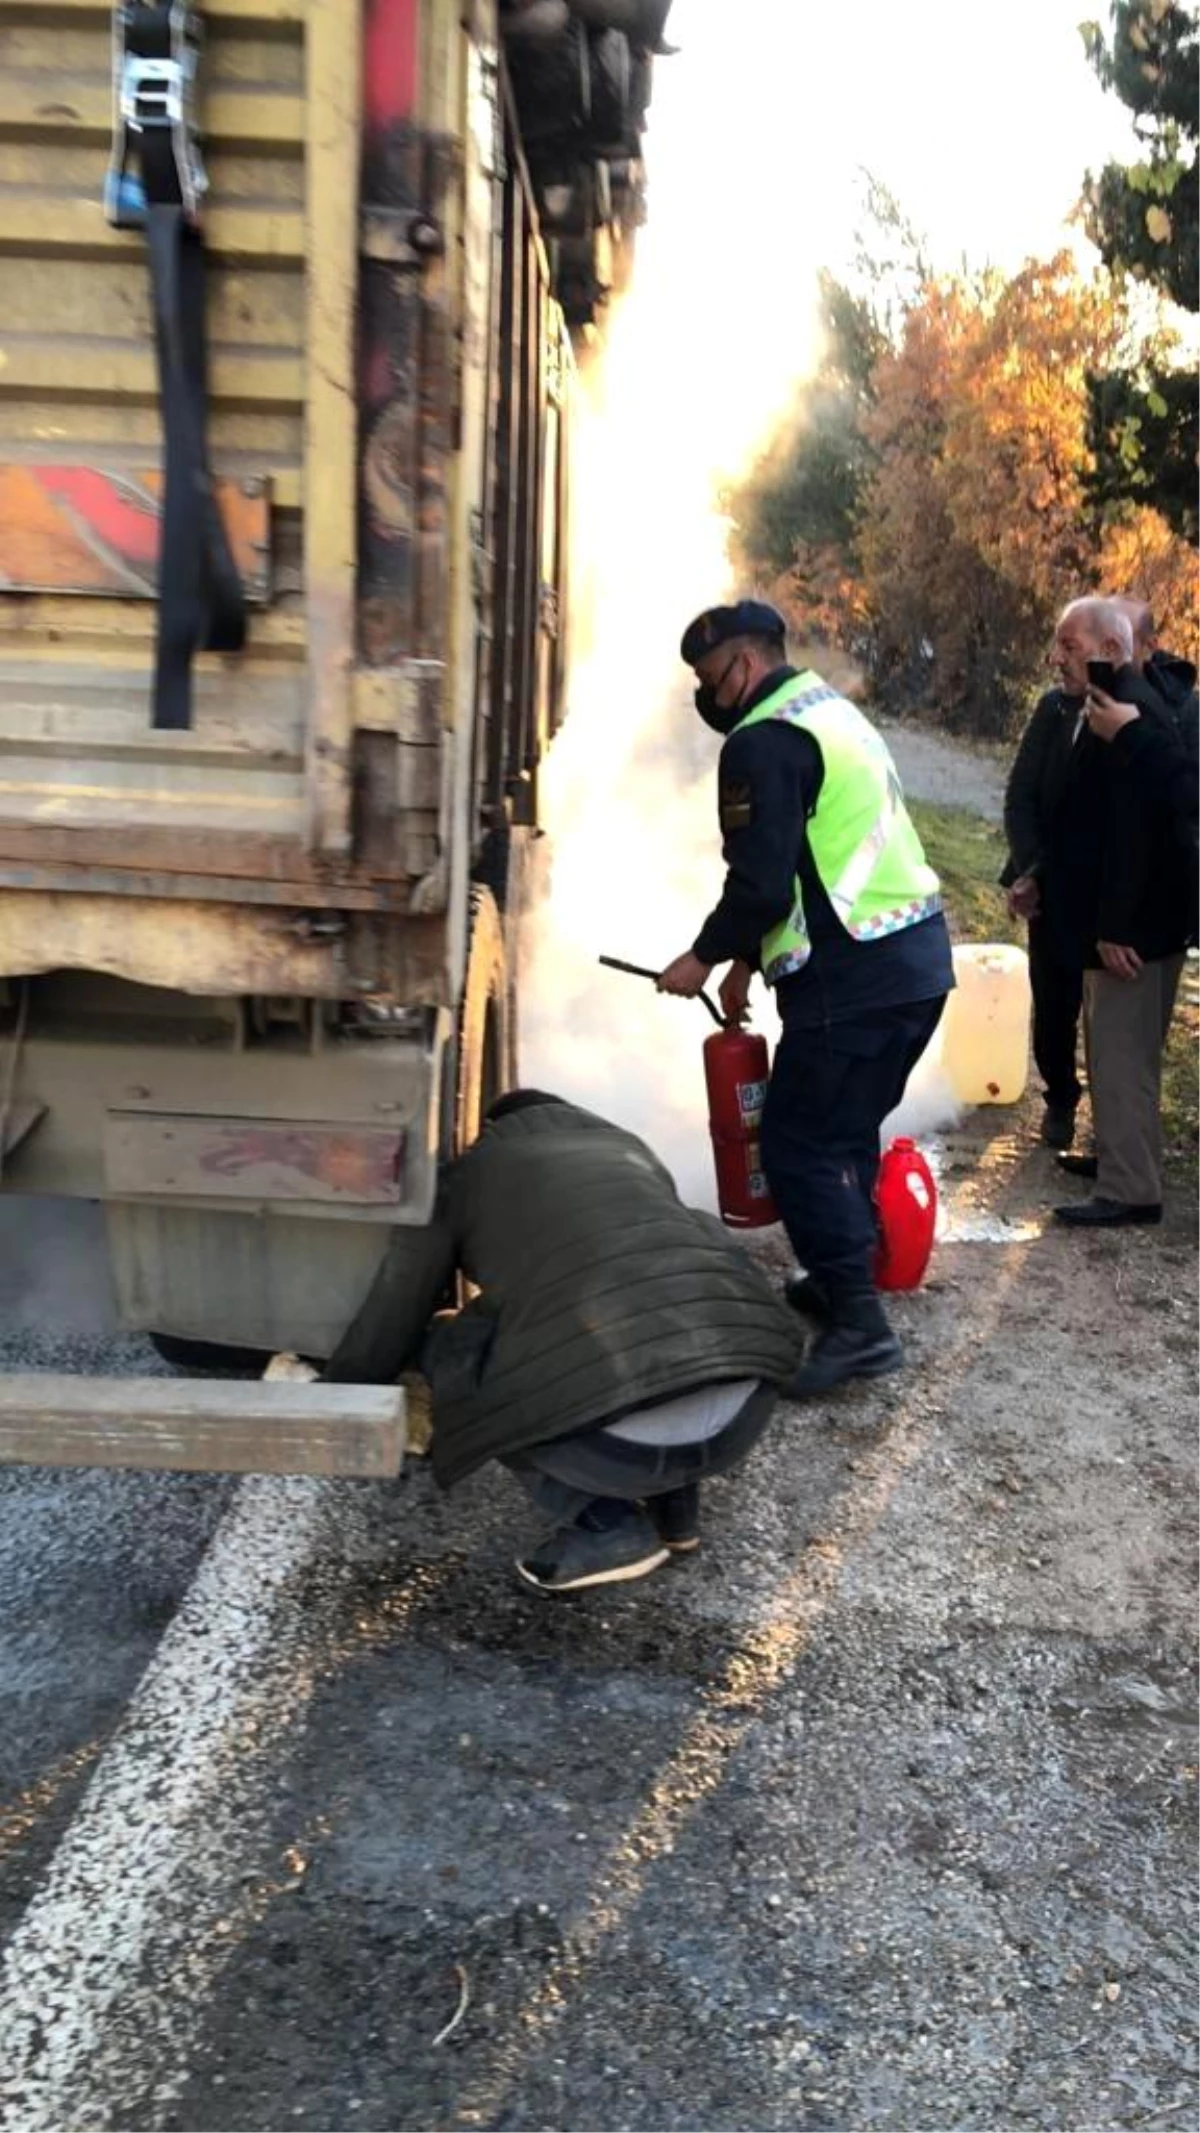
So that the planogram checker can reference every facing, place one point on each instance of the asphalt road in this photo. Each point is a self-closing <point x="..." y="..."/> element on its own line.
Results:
<point x="879" y="1812"/>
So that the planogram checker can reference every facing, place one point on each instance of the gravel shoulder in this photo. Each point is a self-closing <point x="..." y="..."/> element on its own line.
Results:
<point x="880" y="1812"/>
<point x="932" y="766"/>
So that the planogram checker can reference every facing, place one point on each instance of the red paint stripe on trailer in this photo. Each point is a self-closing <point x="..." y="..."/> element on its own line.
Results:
<point x="390" y="62"/>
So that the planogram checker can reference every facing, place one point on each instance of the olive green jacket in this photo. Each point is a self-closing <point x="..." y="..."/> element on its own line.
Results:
<point x="599" y="1292"/>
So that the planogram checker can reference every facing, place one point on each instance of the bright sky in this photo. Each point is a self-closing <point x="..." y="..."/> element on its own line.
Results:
<point x="982" y="120"/>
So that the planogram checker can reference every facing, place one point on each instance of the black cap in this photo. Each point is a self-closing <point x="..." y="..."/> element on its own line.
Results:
<point x="746" y="618"/>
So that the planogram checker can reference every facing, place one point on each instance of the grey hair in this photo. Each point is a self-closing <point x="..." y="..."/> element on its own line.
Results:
<point x="1106" y="618"/>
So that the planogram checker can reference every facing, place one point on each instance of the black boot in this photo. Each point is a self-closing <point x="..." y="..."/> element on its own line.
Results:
<point x="1058" y="1124"/>
<point x="857" y="1343"/>
<point x="808" y="1296"/>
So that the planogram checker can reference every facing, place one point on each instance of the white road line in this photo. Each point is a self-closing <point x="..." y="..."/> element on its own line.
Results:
<point x="101" y="1986"/>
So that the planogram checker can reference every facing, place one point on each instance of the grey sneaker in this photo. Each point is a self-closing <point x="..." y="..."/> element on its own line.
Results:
<point x="573" y="1558"/>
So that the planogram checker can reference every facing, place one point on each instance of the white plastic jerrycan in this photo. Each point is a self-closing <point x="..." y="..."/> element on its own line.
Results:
<point x="985" y="1029"/>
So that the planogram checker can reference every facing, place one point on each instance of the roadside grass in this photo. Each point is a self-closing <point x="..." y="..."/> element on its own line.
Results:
<point x="967" y="853"/>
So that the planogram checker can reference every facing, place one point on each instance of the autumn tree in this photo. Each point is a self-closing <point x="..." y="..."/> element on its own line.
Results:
<point x="974" y="523"/>
<point x="939" y="493"/>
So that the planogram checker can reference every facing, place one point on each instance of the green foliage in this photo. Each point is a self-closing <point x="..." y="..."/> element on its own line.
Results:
<point x="1144" y="434"/>
<point x="1144" y="218"/>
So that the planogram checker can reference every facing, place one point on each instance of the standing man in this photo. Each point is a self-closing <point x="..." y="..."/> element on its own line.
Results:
<point x="1032" y="797"/>
<point x="1117" y="901"/>
<point x="828" y="894"/>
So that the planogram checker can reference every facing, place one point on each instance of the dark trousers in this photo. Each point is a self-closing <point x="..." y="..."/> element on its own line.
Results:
<point x="574" y="1473"/>
<point x="831" y="1089"/>
<point x="1057" y="1005"/>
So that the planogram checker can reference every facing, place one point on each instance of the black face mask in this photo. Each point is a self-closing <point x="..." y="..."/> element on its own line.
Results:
<point x="721" y="721"/>
<point x="720" y="718"/>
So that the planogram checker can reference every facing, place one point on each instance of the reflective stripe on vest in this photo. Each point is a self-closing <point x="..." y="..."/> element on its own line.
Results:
<point x="882" y="883"/>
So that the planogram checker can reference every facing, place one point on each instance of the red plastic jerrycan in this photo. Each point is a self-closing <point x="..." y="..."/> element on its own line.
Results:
<point x="906" y="1201"/>
<point x="737" y="1066"/>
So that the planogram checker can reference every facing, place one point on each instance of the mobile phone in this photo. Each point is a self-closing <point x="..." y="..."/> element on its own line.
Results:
<point x="1102" y="674"/>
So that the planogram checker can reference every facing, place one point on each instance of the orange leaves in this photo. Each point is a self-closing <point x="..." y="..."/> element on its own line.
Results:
<point x="975" y="527"/>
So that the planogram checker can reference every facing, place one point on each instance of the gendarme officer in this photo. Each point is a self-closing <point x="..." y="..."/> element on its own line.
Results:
<point x="829" y="895"/>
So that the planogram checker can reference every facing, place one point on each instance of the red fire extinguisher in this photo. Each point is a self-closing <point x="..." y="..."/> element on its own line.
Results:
<point x="737" y="1066"/>
<point x="906" y="1201"/>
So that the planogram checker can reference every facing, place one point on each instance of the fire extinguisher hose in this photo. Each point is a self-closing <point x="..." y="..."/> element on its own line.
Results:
<point x="638" y="970"/>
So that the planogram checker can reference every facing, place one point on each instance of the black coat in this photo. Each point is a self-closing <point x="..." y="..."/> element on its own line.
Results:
<point x="1037" y="781"/>
<point x="1110" y="869"/>
<point x="1160" y="760"/>
<point x="1175" y="681"/>
<point x="599" y="1292"/>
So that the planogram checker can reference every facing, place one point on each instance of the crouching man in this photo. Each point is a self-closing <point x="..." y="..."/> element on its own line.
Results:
<point x="621" y="1347"/>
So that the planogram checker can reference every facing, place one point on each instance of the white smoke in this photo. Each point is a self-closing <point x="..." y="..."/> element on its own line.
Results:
<point x="700" y="360"/>
<point x="929" y="1105"/>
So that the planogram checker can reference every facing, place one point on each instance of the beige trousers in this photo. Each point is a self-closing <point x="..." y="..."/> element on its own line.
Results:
<point x="1125" y="1025"/>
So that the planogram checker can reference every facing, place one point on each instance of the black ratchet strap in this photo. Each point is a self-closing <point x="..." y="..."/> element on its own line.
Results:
<point x="201" y="605"/>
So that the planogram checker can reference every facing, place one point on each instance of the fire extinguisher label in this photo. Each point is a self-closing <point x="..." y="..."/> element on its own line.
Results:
<point x="751" y="1096"/>
<point x="758" y="1185"/>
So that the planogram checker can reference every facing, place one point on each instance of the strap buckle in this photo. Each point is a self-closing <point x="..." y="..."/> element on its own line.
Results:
<point x="156" y="53"/>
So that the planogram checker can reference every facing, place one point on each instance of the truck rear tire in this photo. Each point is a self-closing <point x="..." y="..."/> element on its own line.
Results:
<point x="203" y="1356"/>
<point x="486" y="1044"/>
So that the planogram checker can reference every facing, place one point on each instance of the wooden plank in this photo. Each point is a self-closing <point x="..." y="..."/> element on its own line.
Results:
<point x="211" y="1426"/>
<point x="251" y="119"/>
<point x="90" y="370"/>
<point x="78" y="629"/>
<point x="131" y="791"/>
<point x="334" y="58"/>
<point x="172" y="848"/>
<point x="85" y="530"/>
<point x="140" y="889"/>
<point x="191" y="947"/>
<point x="57" y="708"/>
<point x="44" y="224"/>
<point x="250" y="854"/>
<point x="111" y="300"/>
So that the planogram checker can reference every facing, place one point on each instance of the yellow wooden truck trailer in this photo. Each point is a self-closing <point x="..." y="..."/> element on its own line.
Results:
<point x="288" y="290"/>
